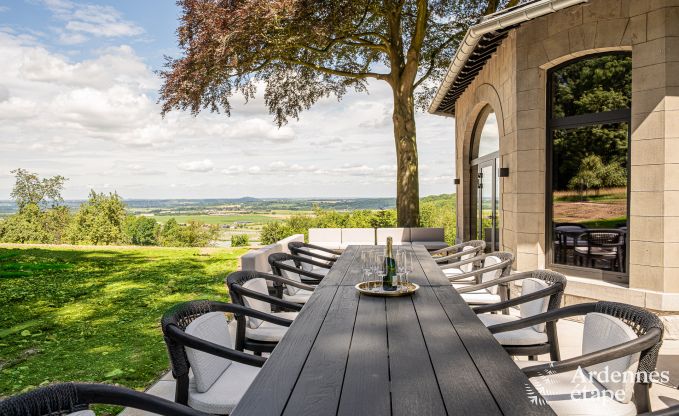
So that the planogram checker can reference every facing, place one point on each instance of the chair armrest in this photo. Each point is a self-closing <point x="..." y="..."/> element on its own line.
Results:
<point x="447" y="250"/>
<point x="644" y="342"/>
<point x="494" y="282"/>
<point x="549" y="316"/>
<point x="478" y="272"/>
<point x="321" y="248"/>
<point x="211" y="348"/>
<point x="268" y="299"/>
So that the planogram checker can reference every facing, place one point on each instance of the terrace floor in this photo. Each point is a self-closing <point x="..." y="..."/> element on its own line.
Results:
<point x="570" y="341"/>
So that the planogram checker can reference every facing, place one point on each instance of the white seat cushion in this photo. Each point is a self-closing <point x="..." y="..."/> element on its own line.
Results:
<point x="226" y="392"/>
<point x="268" y="331"/>
<point x="572" y="394"/>
<point x="493" y="274"/>
<point x="523" y="336"/>
<point x="537" y="306"/>
<point x="480" y="297"/>
<point x="289" y="289"/>
<point x="256" y="285"/>
<point x="603" y="331"/>
<point x="301" y="297"/>
<point x="207" y="368"/>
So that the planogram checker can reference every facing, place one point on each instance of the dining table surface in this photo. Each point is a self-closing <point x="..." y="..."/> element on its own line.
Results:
<point x="427" y="353"/>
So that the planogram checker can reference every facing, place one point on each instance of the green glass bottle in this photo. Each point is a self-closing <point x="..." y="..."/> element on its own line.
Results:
<point x="389" y="280"/>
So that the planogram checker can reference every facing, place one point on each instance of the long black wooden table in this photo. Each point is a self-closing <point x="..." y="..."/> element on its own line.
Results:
<point x="425" y="354"/>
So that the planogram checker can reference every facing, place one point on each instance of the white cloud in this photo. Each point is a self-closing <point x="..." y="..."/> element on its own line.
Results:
<point x="205" y="165"/>
<point x="84" y="20"/>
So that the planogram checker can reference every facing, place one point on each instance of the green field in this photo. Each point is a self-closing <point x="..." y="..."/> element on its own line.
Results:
<point x="219" y="219"/>
<point x="93" y="314"/>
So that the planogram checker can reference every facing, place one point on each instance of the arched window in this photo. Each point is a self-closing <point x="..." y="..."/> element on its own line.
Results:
<point x="484" y="198"/>
<point x="587" y="150"/>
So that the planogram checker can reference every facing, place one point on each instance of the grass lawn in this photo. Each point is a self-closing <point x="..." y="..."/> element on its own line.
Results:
<point x="82" y="314"/>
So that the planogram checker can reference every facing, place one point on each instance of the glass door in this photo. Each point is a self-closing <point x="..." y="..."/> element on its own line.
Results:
<point x="487" y="228"/>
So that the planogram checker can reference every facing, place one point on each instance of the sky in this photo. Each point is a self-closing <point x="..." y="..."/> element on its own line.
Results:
<point x="78" y="98"/>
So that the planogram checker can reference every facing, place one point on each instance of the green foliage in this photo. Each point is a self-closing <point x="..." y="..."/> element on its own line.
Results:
<point x="93" y="315"/>
<point x="274" y="231"/>
<point x="142" y="231"/>
<point x="440" y="211"/>
<point x="29" y="189"/>
<point x="194" y="234"/>
<point x="240" y="240"/>
<point x="100" y="220"/>
<point x="594" y="174"/>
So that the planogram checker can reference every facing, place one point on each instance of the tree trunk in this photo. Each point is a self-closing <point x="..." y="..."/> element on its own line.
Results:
<point x="407" y="180"/>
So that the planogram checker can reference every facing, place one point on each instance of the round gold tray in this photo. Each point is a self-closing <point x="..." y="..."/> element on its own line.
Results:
<point x="374" y="288"/>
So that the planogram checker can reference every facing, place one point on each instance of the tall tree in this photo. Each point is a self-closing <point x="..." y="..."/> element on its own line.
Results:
<point x="303" y="50"/>
<point x="29" y="188"/>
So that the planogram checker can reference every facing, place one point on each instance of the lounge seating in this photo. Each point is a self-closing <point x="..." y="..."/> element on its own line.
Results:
<point x="197" y="338"/>
<point x="74" y="399"/>
<point x="399" y="236"/>
<point x="493" y="266"/>
<point x="313" y="252"/>
<point x="618" y="339"/>
<point x="541" y="291"/>
<point x="430" y="238"/>
<point x="257" y="260"/>
<point x="250" y="290"/>
<point x="357" y="237"/>
<point x="326" y="237"/>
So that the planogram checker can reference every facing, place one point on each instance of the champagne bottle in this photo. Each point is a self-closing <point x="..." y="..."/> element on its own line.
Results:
<point x="389" y="280"/>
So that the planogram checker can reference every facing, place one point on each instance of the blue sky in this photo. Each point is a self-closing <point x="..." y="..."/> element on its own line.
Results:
<point x="78" y="98"/>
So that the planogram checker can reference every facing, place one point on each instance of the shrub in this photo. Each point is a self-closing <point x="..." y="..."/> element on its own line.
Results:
<point x="274" y="231"/>
<point x="100" y="220"/>
<point x="194" y="234"/>
<point x="142" y="231"/>
<point x="240" y="240"/>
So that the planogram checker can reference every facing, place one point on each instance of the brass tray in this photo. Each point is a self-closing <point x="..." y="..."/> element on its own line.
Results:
<point x="374" y="288"/>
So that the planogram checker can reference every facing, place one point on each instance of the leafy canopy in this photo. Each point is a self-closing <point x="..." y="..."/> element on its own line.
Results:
<point x="303" y="50"/>
<point x="29" y="188"/>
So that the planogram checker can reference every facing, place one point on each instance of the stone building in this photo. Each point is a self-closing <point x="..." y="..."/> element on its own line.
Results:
<point x="567" y="143"/>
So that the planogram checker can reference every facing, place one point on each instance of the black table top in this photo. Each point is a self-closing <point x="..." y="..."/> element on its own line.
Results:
<point x="425" y="354"/>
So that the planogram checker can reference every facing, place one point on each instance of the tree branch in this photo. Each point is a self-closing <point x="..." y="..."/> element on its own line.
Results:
<point x="432" y="60"/>
<point x="357" y="75"/>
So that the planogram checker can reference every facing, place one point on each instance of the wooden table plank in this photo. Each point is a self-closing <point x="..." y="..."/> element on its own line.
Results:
<point x="456" y="373"/>
<point x="316" y="391"/>
<point x="414" y="388"/>
<point x="435" y="276"/>
<point x="512" y="390"/>
<point x="339" y="269"/>
<point x="365" y="391"/>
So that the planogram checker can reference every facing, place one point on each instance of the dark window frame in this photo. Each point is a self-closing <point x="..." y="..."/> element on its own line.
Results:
<point x="572" y="122"/>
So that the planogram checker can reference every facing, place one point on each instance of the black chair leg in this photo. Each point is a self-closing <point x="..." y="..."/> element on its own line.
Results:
<point x="532" y="358"/>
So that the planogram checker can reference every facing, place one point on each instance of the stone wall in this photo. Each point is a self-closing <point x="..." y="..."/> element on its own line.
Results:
<point x="513" y="82"/>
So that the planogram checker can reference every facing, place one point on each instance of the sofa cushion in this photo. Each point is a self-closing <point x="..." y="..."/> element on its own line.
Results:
<point x="326" y="237"/>
<point x="423" y="234"/>
<point x="207" y="368"/>
<point x="301" y="296"/>
<point x="358" y="236"/>
<point x="480" y="297"/>
<point x="400" y="236"/>
<point x="430" y="245"/>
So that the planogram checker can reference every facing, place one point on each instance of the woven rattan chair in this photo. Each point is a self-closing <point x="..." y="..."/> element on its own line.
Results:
<point x="249" y="289"/>
<point x="298" y="268"/>
<point x="617" y="338"/>
<point x="487" y="267"/>
<point x="670" y="411"/>
<point x="459" y="252"/>
<point x="601" y="245"/>
<point x="314" y="252"/>
<point x="197" y="337"/>
<point x="541" y="291"/>
<point x="76" y="398"/>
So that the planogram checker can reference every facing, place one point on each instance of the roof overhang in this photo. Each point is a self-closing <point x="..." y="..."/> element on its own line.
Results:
<point x="478" y="45"/>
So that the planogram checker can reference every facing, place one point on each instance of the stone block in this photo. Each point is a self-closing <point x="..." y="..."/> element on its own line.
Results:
<point x="556" y="47"/>
<point x="671" y="150"/>
<point x="648" y="229"/>
<point x="647" y="152"/>
<point x="646" y="253"/>
<point x="529" y="160"/>
<point x="564" y="20"/>
<point x="671" y="203"/>
<point x="635" y="32"/>
<point x="648" y="126"/>
<point x="528" y="139"/>
<point x="649" y="53"/>
<point x="530" y="203"/>
<point x="648" y="101"/>
<point x="647" y="204"/>
<point x="531" y="32"/>
<point x="649" y="77"/>
<point x="529" y="222"/>
<point x="529" y="119"/>
<point x="526" y="262"/>
<point x="646" y="277"/>
<point x="648" y="178"/>
<point x="530" y="99"/>
<point x="637" y="7"/>
<point x="601" y="10"/>
<point x="527" y="79"/>
<point x="663" y="22"/>
<point x="609" y="32"/>
<point x="671" y="177"/>
<point x="530" y="182"/>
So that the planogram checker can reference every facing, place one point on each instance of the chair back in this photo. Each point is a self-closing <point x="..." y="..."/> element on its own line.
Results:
<point x="499" y="264"/>
<point x="604" y="238"/>
<point x="66" y="398"/>
<point x="548" y="288"/>
<point x="312" y="252"/>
